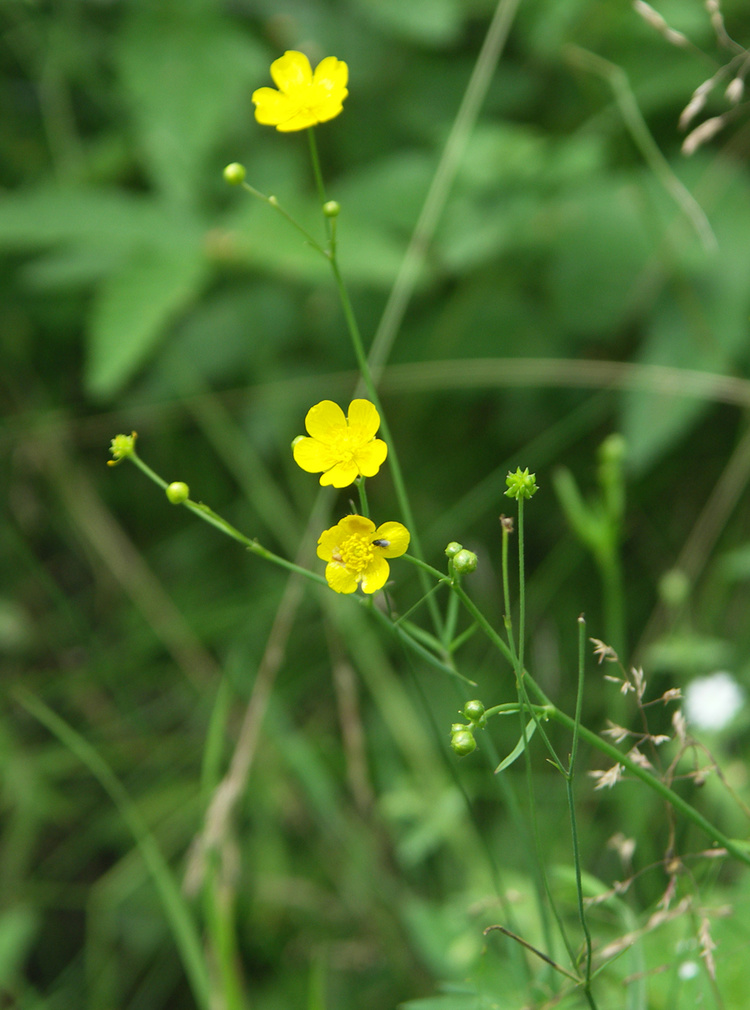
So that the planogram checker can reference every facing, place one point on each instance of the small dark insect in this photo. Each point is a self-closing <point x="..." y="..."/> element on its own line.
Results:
<point x="381" y="543"/>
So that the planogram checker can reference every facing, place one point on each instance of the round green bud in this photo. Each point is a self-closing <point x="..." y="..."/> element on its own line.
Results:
<point x="452" y="549"/>
<point x="473" y="710"/>
<point x="178" y="492"/>
<point x="463" y="743"/>
<point x="612" y="449"/>
<point x="331" y="208"/>
<point x="464" y="562"/>
<point x="458" y="727"/>
<point x="674" y="587"/>
<point x="234" y="174"/>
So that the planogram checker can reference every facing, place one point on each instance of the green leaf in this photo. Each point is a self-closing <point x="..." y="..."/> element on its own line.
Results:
<point x="430" y="22"/>
<point x="188" y="74"/>
<point x="132" y="310"/>
<point x="518" y="749"/>
<point x="18" y="926"/>
<point x="55" y="215"/>
<point x="601" y="247"/>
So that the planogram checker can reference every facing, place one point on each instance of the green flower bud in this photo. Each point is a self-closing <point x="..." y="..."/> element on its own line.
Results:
<point x="521" y="484"/>
<point x="178" y="492"/>
<point x="234" y="174"/>
<point x="331" y="208"/>
<point x="121" y="447"/>
<point x="674" y="587"/>
<point x="474" y="710"/>
<point x="464" y="562"/>
<point x="612" y="449"/>
<point x="463" y="743"/>
<point x="452" y="549"/>
<point x="458" y="727"/>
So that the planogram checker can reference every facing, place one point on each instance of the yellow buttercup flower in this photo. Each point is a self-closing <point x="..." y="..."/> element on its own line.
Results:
<point x="356" y="553"/>
<point x="304" y="98"/>
<point x="341" y="448"/>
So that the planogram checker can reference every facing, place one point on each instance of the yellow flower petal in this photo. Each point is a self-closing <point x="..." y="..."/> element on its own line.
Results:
<point x="332" y="74"/>
<point x="363" y="419"/>
<point x="272" y="107"/>
<point x="291" y="70"/>
<point x="341" y="475"/>
<point x="376" y="575"/>
<point x="340" y="579"/>
<point x="325" y="421"/>
<point x="314" y="456"/>
<point x="357" y="525"/>
<point x="396" y="536"/>
<point x="371" y="457"/>
<point x="301" y="121"/>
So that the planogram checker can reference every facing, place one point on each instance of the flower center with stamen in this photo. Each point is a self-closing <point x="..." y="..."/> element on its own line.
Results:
<point x="356" y="553"/>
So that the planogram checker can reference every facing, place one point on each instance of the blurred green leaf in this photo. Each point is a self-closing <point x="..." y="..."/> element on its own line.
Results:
<point x="132" y="309"/>
<point x="428" y="22"/>
<point x="188" y="73"/>
<point x="600" y="246"/>
<point x="17" y="928"/>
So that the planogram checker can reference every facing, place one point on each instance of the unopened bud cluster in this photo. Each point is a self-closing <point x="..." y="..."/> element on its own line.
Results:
<point x="121" y="447"/>
<point x="462" y="734"/>
<point x="462" y="561"/>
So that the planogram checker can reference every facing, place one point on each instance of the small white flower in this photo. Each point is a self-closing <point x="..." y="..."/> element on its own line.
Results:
<point x="688" y="970"/>
<point x="711" y="702"/>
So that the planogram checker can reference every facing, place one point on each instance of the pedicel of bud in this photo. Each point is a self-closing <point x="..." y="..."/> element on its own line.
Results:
<point x="178" y="492"/>
<point x="234" y="174"/>
<point x="464" y="562"/>
<point x="474" y="710"/>
<point x="452" y="549"/>
<point x="121" y="447"/>
<point x="463" y="743"/>
<point x="331" y="208"/>
<point x="521" y="484"/>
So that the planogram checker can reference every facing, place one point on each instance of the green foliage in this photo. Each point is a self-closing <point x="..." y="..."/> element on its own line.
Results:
<point x="139" y="291"/>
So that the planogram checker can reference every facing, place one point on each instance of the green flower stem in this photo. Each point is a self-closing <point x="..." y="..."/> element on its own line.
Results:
<point x="507" y="620"/>
<point x="218" y="905"/>
<point x="273" y="202"/>
<point x="542" y="881"/>
<point x="549" y="711"/>
<point x="398" y="479"/>
<point x="450" y="642"/>
<point x="682" y="806"/>
<point x="572" y="809"/>
<point x="363" y="504"/>
<point x="521" y="588"/>
<point x="173" y="902"/>
<point x="315" y="159"/>
<point x="369" y="383"/>
<point x="362" y="361"/>
<point x="213" y="519"/>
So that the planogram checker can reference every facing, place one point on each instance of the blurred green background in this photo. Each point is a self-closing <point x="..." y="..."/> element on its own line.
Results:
<point x="564" y="284"/>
